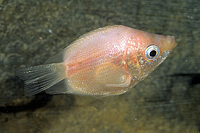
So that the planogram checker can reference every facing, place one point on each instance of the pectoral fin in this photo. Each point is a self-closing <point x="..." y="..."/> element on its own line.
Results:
<point x="112" y="75"/>
<point x="125" y="84"/>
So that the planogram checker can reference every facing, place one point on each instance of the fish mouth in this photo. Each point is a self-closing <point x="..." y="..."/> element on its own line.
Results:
<point x="171" y="40"/>
<point x="168" y="43"/>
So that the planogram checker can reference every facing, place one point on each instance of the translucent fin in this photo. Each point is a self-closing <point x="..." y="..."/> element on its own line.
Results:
<point x="56" y="59"/>
<point x="42" y="77"/>
<point x="59" y="57"/>
<point x="125" y="84"/>
<point x="61" y="88"/>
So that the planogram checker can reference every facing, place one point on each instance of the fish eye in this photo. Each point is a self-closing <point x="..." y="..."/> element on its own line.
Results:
<point x="152" y="52"/>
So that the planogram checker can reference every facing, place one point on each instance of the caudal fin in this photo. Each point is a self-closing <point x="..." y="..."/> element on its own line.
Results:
<point x="42" y="77"/>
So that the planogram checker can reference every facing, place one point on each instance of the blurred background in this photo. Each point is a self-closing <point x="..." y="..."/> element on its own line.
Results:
<point x="168" y="100"/>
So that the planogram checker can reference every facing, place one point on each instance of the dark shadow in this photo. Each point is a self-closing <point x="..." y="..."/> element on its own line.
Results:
<point x="193" y="80"/>
<point x="195" y="77"/>
<point x="39" y="101"/>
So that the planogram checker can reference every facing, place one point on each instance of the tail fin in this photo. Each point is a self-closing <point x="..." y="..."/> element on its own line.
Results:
<point x="42" y="77"/>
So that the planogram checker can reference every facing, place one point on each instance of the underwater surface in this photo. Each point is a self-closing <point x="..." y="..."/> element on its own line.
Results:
<point x="168" y="100"/>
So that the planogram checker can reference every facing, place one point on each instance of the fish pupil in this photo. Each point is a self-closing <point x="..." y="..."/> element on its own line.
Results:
<point x="153" y="53"/>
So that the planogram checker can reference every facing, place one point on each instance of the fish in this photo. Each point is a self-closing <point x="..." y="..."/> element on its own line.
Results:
<point x="103" y="62"/>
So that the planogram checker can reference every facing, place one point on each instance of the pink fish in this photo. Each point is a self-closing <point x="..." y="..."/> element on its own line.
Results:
<point x="107" y="61"/>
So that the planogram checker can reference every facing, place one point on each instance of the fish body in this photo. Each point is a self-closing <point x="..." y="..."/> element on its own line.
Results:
<point x="107" y="61"/>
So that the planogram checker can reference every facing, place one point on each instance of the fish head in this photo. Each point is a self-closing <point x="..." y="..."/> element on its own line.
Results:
<point x="152" y="50"/>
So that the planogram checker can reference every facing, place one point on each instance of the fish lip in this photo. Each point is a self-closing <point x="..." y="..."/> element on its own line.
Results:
<point x="171" y="42"/>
